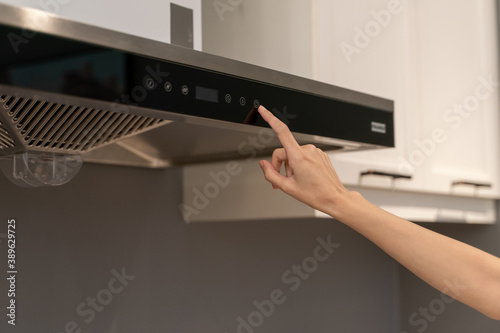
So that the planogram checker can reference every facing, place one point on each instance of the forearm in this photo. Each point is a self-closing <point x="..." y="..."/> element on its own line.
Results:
<point x="437" y="259"/>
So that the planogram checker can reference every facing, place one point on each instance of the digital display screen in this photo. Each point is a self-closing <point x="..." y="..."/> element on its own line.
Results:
<point x="207" y="94"/>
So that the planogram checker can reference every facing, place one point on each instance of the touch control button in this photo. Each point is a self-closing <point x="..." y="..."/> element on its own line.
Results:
<point x="256" y="103"/>
<point x="185" y="90"/>
<point x="168" y="87"/>
<point x="228" y="98"/>
<point x="243" y="101"/>
<point x="149" y="83"/>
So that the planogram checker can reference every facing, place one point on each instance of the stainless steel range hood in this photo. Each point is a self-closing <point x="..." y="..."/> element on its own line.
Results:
<point x="71" y="92"/>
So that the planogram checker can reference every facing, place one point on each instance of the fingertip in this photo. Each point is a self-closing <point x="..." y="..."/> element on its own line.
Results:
<point x="266" y="165"/>
<point x="263" y="164"/>
<point x="264" y="112"/>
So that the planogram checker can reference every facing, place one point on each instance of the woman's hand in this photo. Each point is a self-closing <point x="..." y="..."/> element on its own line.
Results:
<point x="438" y="260"/>
<point x="310" y="176"/>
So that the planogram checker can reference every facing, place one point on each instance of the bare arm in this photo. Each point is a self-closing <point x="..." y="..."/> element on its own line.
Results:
<point x="457" y="269"/>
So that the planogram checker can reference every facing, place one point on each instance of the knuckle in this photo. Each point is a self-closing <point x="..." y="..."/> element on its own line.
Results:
<point x="308" y="151"/>
<point x="267" y="176"/>
<point x="285" y="187"/>
<point x="310" y="147"/>
<point x="277" y="153"/>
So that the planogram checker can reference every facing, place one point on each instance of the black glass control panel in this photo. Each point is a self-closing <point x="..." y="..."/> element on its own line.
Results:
<point x="54" y="64"/>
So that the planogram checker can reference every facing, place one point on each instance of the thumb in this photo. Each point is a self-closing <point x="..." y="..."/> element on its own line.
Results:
<point x="271" y="175"/>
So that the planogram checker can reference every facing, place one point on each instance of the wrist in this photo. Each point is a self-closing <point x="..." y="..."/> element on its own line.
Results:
<point x="345" y="205"/>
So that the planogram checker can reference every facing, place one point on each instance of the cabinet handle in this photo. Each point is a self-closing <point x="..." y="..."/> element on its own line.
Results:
<point x="394" y="176"/>
<point x="465" y="182"/>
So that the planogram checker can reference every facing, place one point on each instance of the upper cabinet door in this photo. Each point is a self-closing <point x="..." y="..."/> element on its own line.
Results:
<point x="457" y="96"/>
<point x="438" y="60"/>
<point x="363" y="45"/>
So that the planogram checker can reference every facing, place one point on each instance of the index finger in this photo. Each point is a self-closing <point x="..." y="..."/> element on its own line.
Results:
<point x="285" y="136"/>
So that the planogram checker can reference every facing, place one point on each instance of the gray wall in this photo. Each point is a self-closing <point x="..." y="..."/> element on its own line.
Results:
<point x="188" y="278"/>
<point x="454" y="317"/>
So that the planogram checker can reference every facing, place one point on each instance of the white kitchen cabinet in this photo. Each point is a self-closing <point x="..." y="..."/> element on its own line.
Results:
<point x="457" y="94"/>
<point x="428" y="56"/>
<point x="363" y="45"/>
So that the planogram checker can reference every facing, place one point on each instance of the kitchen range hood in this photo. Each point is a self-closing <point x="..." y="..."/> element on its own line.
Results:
<point x="71" y="93"/>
